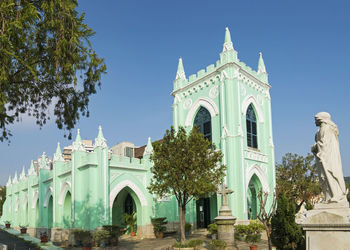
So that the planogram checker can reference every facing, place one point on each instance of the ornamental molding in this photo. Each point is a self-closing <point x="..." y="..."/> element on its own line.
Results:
<point x="259" y="172"/>
<point x="127" y="183"/>
<point x="250" y="99"/>
<point x="113" y="177"/>
<point x="204" y="102"/>
<point x="255" y="156"/>
<point x="187" y="104"/>
<point x="214" y="92"/>
<point x="240" y="73"/>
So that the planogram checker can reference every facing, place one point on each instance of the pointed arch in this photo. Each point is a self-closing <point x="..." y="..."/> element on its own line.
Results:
<point x="64" y="188"/>
<point x="132" y="186"/>
<point x="25" y="201"/>
<point x="35" y="199"/>
<point x="257" y="170"/>
<point x="49" y="191"/>
<point x="250" y="99"/>
<point x="204" y="102"/>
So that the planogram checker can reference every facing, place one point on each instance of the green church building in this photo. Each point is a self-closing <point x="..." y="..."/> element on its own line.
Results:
<point x="89" y="184"/>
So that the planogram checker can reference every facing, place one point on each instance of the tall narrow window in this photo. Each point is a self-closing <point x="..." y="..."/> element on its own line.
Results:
<point x="203" y="121"/>
<point x="252" y="138"/>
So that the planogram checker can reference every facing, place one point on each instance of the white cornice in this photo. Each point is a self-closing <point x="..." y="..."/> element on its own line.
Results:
<point x="217" y="73"/>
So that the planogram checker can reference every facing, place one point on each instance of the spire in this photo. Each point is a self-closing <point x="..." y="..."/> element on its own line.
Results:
<point x="31" y="170"/>
<point x="58" y="155"/>
<point x="78" y="144"/>
<point x="149" y="148"/>
<point x="44" y="164"/>
<point x="9" y="182"/>
<point x="261" y="64"/>
<point x="100" y="141"/>
<point x="23" y="174"/>
<point x="228" y="43"/>
<point x="15" y="180"/>
<point x="180" y="74"/>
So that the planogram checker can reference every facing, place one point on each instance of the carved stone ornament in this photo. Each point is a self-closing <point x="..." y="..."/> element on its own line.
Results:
<point x="187" y="104"/>
<point x="243" y="91"/>
<point x="214" y="92"/>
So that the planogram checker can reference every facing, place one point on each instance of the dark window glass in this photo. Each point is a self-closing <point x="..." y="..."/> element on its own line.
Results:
<point x="203" y="121"/>
<point x="252" y="138"/>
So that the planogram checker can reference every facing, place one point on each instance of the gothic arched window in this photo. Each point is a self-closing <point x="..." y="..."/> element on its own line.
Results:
<point x="252" y="138"/>
<point x="203" y="121"/>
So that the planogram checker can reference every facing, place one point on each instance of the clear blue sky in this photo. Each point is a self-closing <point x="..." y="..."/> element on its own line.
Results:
<point x="305" y="44"/>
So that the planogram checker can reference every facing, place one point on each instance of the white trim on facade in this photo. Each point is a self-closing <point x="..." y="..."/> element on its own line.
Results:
<point x="258" y="171"/>
<point x="35" y="198"/>
<point x="127" y="183"/>
<point x="49" y="191"/>
<point x="63" y="190"/>
<point x="247" y="101"/>
<point x="204" y="102"/>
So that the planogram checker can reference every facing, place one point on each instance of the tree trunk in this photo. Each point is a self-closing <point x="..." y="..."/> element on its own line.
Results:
<point x="183" y="237"/>
<point x="182" y="224"/>
<point x="268" y="234"/>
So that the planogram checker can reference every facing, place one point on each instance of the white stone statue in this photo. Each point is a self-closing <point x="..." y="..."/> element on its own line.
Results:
<point x="328" y="161"/>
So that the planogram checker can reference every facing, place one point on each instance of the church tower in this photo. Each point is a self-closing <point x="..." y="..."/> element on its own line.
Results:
<point x="231" y="104"/>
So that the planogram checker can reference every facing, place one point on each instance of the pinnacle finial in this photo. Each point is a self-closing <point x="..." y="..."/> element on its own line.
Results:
<point x="78" y="138"/>
<point x="100" y="134"/>
<point x="58" y="155"/>
<point x="228" y="43"/>
<point x="149" y="147"/>
<point x="9" y="182"/>
<point x="100" y="140"/>
<point x="261" y="64"/>
<point x="180" y="74"/>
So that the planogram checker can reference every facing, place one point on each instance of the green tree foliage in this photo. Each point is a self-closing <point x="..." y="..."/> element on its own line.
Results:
<point x="2" y="197"/>
<point x="296" y="178"/>
<point x="44" y="50"/>
<point x="187" y="166"/>
<point x="286" y="234"/>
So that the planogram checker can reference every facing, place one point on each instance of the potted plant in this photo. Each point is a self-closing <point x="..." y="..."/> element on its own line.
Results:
<point x="241" y="231"/>
<point x="114" y="232"/>
<point x="213" y="230"/>
<point x="7" y="224"/>
<point x="217" y="245"/>
<point x="23" y="229"/>
<point x="44" y="237"/>
<point x="102" y="237"/>
<point x="192" y="244"/>
<point x="188" y="228"/>
<point x="253" y="234"/>
<point x="158" y="226"/>
<point x="130" y="221"/>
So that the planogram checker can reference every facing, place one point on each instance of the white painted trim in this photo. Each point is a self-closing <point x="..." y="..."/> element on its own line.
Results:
<point x="25" y="202"/>
<point x="17" y="204"/>
<point x="49" y="191"/>
<point x="127" y="183"/>
<point x="247" y="101"/>
<point x="204" y="102"/>
<point x="63" y="190"/>
<point x="35" y="198"/>
<point x="257" y="170"/>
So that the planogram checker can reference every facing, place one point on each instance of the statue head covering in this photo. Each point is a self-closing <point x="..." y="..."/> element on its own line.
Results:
<point x="325" y="117"/>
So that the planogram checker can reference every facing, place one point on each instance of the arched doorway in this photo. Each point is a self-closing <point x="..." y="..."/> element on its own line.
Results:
<point x="50" y="213"/>
<point x="253" y="205"/>
<point x="126" y="202"/>
<point x="67" y="211"/>
<point x="37" y="218"/>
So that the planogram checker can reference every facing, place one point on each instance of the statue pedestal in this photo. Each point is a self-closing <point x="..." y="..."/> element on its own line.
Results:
<point x="327" y="226"/>
<point x="226" y="222"/>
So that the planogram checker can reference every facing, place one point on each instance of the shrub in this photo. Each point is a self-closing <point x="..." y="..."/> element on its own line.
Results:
<point x="158" y="224"/>
<point x="217" y="245"/>
<point x="192" y="243"/>
<point x="213" y="228"/>
<point x="82" y="236"/>
<point x="286" y="234"/>
<point x="188" y="227"/>
<point x="102" y="236"/>
<point x="130" y="220"/>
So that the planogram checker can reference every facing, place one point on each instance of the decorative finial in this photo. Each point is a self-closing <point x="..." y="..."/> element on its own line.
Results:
<point x="261" y="64"/>
<point x="180" y="74"/>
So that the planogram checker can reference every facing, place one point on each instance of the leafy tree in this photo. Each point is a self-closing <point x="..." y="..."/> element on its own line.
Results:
<point x="2" y="197"/>
<point x="296" y="178"/>
<point x="187" y="166"/>
<point x="286" y="234"/>
<point x="44" y="50"/>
